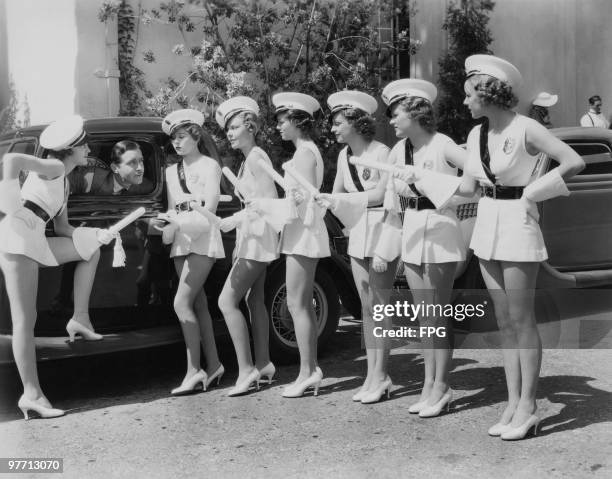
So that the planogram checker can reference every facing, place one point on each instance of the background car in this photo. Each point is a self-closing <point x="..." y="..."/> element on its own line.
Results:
<point x="132" y="306"/>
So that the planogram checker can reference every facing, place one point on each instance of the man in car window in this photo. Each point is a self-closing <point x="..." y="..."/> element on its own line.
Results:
<point x="594" y="117"/>
<point x="125" y="176"/>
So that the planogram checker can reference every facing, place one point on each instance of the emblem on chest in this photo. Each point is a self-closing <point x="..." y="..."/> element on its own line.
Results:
<point x="509" y="145"/>
<point x="366" y="174"/>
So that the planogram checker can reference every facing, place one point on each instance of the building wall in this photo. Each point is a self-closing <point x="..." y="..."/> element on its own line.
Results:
<point x="558" y="45"/>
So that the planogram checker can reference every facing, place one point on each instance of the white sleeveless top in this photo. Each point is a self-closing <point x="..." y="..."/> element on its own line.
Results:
<point x="196" y="176"/>
<point x="369" y="177"/>
<point x="319" y="169"/>
<point x="511" y="164"/>
<point x="252" y="187"/>
<point x="50" y="195"/>
<point x="430" y="157"/>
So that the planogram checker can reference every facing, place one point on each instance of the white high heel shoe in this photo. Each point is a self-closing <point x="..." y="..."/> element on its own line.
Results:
<point x="498" y="429"/>
<point x="371" y="397"/>
<point x="297" y="390"/>
<point x="192" y="384"/>
<point x="218" y="374"/>
<point x="417" y="407"/>
<point x="74" y="327"/>
<point x="45" y="412"/>
<point x="268" y="371"/>
<point x="435" y="409"/>
<point x="516" y="433"/>
<point x="244" y="386"/>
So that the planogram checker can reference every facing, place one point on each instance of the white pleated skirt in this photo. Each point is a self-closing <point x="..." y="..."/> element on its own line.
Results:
<point x="505" y="232"/>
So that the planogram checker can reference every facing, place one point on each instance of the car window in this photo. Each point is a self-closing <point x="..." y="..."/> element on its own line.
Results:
<point x="597" y="157"/>
<point x="97" y="177"/>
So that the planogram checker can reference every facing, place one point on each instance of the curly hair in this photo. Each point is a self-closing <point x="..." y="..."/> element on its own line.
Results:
<point x="364" y="123"/>
<point x="420" y="110"/>
<point x="197" y="133"/>
<point x="302" y="121"/>
<point x="493" y="91"/>
<point x="250" y="120"/>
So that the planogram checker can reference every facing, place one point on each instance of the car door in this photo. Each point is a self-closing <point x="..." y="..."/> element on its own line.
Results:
<point x="577" y="229"/>
<point x="122" y="297"/>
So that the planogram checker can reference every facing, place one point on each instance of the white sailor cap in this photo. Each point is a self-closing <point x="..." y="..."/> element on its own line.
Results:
<point x="181" y="118"/>
<point x="63" y="134"/>
<point x="295" y="101"/>
<point x="229" y="108"/>
<point x="545" y="99"/>
<point x="408" y="87"/>
<point x="352" y="99"/>
<point x="494" y="66"/>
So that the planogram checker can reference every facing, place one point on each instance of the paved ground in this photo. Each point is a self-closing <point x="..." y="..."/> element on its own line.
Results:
<point x="123" y="424"/>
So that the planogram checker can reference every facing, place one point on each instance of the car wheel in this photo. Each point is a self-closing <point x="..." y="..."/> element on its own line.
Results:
<point x="283" y="344"/>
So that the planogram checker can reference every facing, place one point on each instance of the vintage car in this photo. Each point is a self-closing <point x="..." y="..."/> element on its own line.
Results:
<point x="132" y="306"/>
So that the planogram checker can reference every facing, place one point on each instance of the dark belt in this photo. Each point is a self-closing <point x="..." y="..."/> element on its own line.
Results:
<point x="502" y="192"/>
<point x="37" y="210"/>
<point x="184" y="206"/>
<point x="420" y="203"/>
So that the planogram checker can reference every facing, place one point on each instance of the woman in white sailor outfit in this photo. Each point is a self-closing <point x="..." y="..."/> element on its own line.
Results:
<point x="196" y="244"/>
<point x="24" y="247"/>
<point x="303" y="244"/>
<point x="354" y="125"/>
<point x="432" y="242"/>
<point x="503" y="152"/>
<point x="239" y="117"/>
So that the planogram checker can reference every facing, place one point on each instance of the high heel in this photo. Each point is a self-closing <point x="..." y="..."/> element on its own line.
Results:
<point x="244" y="386"/>
<point x="498" y="429"/>
<point x="45" y="412"/>
<point x="268" y="371"/>
<point x="359" y="395"/>
<point x="436" y="409"/>
<point x="192" y="384"/>
<point x="516" y="433"/>
<point x="218" y="374"/>
<point x="297" y="390"/>
<point x="374" y="396"/>
<point x="417" y="407"/>
<point x="74" y="327"/>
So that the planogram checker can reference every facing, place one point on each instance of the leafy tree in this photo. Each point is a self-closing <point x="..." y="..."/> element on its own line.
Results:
<point x="8" y="114"/>
<point x="260" y="47"/>
<point x="466" y="23"/>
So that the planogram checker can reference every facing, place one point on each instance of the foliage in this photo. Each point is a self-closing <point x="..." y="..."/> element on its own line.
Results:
<point x="260" y="47"/>
<point x="466" y="23"/>
<point x="8" y="114"/>
<point x="131" y="79"/>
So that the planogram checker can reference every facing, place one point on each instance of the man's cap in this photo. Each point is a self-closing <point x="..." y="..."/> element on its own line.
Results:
<point x="295" y="101"/>
<point x="180" y="118"/>
<point x="545" y="99"/>
<point x="64" y="134"/>
<point x="352" y="99"/>
<point x="229" y="108"/>
<point x="494" y="66"/>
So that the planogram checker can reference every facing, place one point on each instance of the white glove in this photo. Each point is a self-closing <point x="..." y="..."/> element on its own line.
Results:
<point x="298" y="196"/>
<point x="548" y="186"/>
<point x="104" y="236"/>
<point x="326" y="201"/>
<point x="378" y="264"/>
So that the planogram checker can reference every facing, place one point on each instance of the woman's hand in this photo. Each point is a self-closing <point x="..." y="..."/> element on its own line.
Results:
<point x="378" y="264"/>
<point x="297" y="195"/>
<point x="326" y="200"/>
<point x="104" y="236"/>
<point x="407" y="175"/>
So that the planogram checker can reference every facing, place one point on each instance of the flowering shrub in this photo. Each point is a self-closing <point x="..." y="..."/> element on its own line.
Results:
<point x="259" y="47"/>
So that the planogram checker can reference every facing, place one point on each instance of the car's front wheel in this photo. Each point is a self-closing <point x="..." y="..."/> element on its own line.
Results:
<point x="326" y="302"/>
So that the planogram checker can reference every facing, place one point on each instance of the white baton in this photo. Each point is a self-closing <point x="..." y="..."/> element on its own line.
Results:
<point x="133" y="216"/>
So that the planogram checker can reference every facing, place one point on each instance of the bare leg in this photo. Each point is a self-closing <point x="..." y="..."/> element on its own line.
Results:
<point x="192" y="271"/>
<point x="300" y="281"/>
<point x="21" y="280"/>
<point x="380" y="290"/>
<point x="439" y="279"/>
<point x="360" y="275"/>
<point x="494" y="280"/>
<point x="520" y="280"/>
<point x="64" y="251"/>
<point x="242" y="276"/>
<point x="260" y="319"/>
